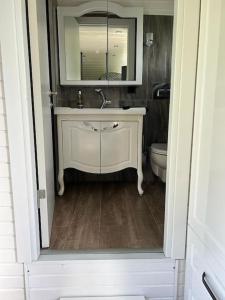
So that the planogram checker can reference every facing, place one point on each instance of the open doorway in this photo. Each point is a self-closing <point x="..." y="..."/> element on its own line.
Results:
<point x="105" y="211"/>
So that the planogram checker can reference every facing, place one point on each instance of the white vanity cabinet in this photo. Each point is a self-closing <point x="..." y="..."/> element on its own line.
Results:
<point x="99" y="141"/>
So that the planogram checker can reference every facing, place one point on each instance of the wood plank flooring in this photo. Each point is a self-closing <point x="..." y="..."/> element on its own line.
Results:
<point x="94" y="216"/>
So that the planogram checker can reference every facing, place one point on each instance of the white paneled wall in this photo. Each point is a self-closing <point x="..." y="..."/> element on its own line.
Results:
<point x="11" y="273"/>
<point x="153" y="278"/>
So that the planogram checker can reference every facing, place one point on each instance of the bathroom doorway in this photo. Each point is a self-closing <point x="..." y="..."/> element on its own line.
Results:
<point x="106" y="211"/>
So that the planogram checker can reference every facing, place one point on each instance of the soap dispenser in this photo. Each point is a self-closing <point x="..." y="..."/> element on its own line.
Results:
<point x="80" y="102"/>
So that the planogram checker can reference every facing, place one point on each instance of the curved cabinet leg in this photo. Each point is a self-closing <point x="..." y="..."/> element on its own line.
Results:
<point x="140" y="180"/>
<point x="61" y="182"/>
<point x="139" y="161"/>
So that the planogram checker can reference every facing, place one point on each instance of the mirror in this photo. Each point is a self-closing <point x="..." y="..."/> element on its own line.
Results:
<point x="121" y="48"/>
<point x="85" y="47"/>
<point x="98" y="47"/>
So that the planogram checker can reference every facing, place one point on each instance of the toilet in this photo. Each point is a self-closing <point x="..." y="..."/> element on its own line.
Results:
<point x="158" y="155"/>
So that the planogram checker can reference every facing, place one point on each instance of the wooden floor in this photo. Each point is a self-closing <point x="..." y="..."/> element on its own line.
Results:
<point x="109" y="216"/>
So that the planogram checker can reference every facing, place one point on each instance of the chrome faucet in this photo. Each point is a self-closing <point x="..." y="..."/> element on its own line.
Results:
<point x="105" y="101"/>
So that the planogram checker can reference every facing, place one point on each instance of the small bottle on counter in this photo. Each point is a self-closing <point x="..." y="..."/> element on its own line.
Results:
<point x="80" y="100"/>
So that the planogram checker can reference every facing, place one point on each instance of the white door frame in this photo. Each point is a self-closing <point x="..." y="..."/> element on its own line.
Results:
<point x="42" y="116"/>
<point x="184" y="66"/>
<point x="20" y="126"/>
<point x="16" y="74"/>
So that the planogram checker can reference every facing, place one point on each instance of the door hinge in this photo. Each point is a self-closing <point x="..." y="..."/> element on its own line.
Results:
<point x="41" y="194"/>
<point x="52" y="93"/>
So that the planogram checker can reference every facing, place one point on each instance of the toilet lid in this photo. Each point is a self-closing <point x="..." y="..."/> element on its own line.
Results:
<point x="159" y="148"/>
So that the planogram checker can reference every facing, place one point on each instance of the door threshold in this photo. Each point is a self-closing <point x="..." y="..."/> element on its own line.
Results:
<point x="52" y="255"/>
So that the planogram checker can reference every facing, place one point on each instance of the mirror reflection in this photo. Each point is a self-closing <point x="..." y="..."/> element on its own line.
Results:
<point x="100" y="47"/>
<point x="121" y="48"/>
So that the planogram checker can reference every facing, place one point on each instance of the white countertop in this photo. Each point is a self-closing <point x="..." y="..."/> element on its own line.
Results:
<point x="98" y="111"/>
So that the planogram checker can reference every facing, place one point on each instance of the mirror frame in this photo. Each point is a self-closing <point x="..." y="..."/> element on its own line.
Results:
<point x="121" y="11"/>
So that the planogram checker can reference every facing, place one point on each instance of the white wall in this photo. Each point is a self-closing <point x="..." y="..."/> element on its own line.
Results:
<point x="11" y="273"/>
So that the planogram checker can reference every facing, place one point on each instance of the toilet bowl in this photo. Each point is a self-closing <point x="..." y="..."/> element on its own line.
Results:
<point x="158" y="155"/>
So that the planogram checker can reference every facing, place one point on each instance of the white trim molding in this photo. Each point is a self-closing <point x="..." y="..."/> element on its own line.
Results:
<point x="151" y="7"/>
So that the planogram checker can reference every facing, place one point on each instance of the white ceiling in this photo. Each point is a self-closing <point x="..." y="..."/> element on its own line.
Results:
<point x="151" y="7"/>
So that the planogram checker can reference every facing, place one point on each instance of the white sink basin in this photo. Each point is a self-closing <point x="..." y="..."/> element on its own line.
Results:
<point x="99" y="111"/>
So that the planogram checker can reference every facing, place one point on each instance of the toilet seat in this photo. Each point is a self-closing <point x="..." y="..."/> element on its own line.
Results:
<point x="159" y="149"/>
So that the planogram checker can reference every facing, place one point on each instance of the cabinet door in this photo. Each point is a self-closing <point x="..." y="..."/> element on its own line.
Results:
<point x="118" y="146"/>
<point x="81" y="145"/>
